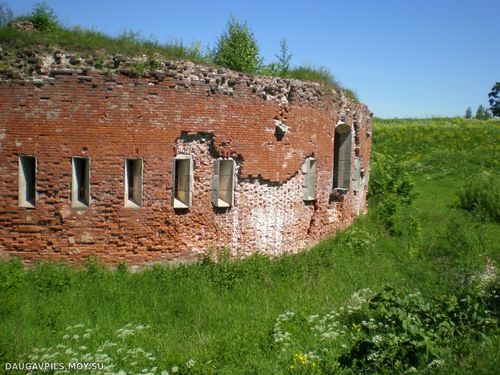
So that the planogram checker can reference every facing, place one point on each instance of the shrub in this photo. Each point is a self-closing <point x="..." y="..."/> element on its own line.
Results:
<point x="358" y="239"/>
<point x="49" y="277"/>
<point x="392" y="331"/>
<point x="237" y="48"/>
<point x="11" y="274"/>
<point x="391" y="186"/>
<point x="284" y="58"/>
<point x="43" y="17"/>
<point x="482" y="197"/>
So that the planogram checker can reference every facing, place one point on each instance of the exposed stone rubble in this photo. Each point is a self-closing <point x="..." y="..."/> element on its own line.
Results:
<point x="42" y="65"/>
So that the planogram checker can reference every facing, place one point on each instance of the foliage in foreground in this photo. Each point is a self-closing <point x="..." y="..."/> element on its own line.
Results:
<point x="392" y="331"/>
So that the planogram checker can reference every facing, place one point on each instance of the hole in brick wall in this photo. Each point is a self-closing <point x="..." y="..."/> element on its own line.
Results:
<point x="280" y="129"/>
<point x="133" y="183"/>
<point x="80" y="186"/>
<point x="27" y="181"/>
<point x="183" y="180"/>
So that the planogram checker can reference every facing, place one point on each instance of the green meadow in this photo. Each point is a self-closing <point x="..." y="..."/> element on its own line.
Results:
<point x="411" y="287"/>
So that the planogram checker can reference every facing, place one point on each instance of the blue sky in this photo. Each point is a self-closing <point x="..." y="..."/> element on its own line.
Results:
<point x="416" y="58"/>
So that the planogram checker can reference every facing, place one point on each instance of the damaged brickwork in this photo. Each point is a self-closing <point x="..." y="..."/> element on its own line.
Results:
<point x="58" y="106"/>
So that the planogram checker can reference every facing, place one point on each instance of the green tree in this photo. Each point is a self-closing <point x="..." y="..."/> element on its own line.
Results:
<point x="480" y="113"/>
<point x="237" y="48"/>
<point x="468" y="113"/>
<point x="5" y="14"/>
<point x="44" y="18"/>
<point x="494" y="96"/>
<point x="284" y="58"/>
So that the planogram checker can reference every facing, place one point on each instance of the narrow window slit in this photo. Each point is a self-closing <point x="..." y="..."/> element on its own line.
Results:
<point x="183" y="181"/>
<point x="80" y="191"/>
<point x="309" y="171"/>
<point x="133" y="183"/>
<point x="27" y="181"/>
<point x="223" y="181"/>
<point x="342" y="159"/>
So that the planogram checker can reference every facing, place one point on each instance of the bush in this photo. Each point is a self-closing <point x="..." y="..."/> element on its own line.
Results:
<point x="358" y="239"/>
<point x="51" y="277"/>
<point x="391" y="186"/>
<point x="43" y="18"/>
<point x="481" y="196"/>
<point x="11" y="274"/>
<point x="237" y="48"/>
<point x="393" y="331"/>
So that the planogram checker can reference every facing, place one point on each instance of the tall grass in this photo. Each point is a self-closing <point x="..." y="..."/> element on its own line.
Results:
<point x="85" y="41"/>
<point x="322" y="75"/>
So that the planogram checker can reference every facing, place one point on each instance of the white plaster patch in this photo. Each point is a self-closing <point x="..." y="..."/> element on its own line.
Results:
<point x="267" y="223"/>
<point x="235" y="229"/>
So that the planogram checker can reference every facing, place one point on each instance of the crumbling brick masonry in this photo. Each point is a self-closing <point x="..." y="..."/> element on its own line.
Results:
<point x="99" y="159"/>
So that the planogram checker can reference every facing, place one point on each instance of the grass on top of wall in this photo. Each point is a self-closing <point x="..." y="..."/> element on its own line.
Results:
<point x="91" y="42"/>
<point x="86" y="41"/>
<point x="304" y="313"/>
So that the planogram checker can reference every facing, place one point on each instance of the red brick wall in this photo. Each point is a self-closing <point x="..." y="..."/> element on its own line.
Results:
<point x="111" y="118"/>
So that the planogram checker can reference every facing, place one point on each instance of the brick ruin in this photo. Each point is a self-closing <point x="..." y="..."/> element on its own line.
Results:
<point x="164" y="164"/>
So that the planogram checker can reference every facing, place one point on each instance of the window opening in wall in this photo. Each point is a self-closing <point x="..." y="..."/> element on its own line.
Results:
<point x="342" y="158"/>
<point x="310" y="178"/>
<point x="133" y="183"/>
<point x="223" y="183"/>
<point x="183" y="180"/>
<point x="27" y="181"/>
<point x="80" y="185"/>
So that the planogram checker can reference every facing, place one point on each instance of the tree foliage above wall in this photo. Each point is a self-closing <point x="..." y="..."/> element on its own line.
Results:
<point x="237" y="48"/>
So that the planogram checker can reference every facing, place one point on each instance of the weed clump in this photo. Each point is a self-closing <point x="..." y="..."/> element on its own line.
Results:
<point x="391" y="187"/>
<point x="392" y="331"/>
<point x="481" y="196"/>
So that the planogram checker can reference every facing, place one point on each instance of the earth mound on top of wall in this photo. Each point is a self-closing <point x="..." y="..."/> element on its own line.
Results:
<point x="42" y="65"/>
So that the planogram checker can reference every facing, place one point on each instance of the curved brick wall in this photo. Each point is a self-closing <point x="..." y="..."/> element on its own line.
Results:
<point x="63" y="109"/>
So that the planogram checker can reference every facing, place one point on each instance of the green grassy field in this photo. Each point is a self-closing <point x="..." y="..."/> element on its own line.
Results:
<point x="429" y="265"/>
